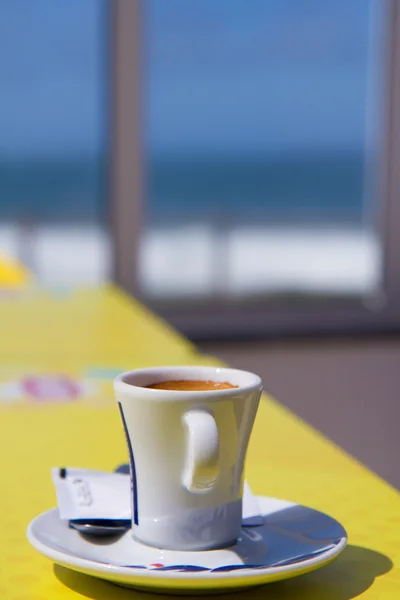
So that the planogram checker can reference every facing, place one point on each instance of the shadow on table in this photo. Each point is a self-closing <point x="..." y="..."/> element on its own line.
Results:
<point x="352" y="573"/>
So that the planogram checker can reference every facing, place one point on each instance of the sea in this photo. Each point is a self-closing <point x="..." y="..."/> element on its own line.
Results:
<point x="303" y="186"/>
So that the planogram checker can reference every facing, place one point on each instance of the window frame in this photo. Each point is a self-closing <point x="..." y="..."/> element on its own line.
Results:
<point x="216" y="319"/>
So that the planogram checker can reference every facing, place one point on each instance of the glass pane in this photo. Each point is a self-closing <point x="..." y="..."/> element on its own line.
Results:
<point x="52" y="149"/>
<point x="261" y="143"/>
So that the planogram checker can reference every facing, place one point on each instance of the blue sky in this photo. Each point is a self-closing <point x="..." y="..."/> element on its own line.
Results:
<point x="220" y="75"/>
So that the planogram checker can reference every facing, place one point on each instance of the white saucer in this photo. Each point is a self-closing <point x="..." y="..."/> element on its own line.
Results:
<point x="293" y="540"/>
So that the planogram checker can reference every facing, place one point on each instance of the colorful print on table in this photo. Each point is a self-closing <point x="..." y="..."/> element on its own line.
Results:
<point x="40" y="388"/>
<point x="30" y="386"/>
<point x="50" y="388"/>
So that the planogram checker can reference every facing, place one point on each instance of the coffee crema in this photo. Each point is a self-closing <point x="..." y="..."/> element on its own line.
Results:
<point x="188" y="385"/>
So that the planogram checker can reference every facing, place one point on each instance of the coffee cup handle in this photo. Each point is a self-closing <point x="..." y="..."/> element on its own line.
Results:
<point x="201" y="470"/>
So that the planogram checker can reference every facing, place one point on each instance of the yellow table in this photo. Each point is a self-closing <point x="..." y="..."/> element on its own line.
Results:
<point x="59" y="351"/>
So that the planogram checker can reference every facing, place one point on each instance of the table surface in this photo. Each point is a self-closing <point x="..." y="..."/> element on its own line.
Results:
<point x="59" y="351"/>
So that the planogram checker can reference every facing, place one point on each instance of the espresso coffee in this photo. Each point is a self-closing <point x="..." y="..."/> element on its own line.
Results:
<point x="191" y="385"/>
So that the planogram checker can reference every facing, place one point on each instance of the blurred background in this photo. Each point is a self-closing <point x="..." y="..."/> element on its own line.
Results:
<point x="229" y="163"/>
<point x="258" y="144"/>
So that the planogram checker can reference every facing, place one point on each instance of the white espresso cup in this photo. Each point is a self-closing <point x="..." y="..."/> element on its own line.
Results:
<point x="186" y="452"/>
